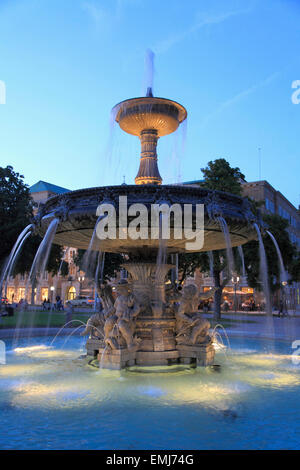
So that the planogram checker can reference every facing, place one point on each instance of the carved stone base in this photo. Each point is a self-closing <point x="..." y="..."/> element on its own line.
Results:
<point x="117" y="358"/>
<point x="203" y="354"/>
<point x="157" y="358"/>
<point x="93" y="346"/>
<point x="200" y="354"/>
<point x="156" y="334"/>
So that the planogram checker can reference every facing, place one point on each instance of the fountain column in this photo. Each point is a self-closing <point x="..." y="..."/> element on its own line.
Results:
<point x="154" y="327"/>
<point x="148" y="172"/>
<point x="148" y="279"/>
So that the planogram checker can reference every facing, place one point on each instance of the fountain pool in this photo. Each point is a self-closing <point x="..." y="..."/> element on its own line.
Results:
<point x="51" y="398"/>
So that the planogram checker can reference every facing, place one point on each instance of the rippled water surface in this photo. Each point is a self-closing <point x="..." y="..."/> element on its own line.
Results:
<point x="50" y="398"/>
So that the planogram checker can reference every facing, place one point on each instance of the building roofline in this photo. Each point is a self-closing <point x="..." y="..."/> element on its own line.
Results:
<point x="193" y="182"/>
<point x="45" y="186"/>
<point x="266" y="183"/>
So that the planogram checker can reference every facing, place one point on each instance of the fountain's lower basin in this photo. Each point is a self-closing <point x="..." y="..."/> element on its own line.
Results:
<point x="156" y="354"/>
<point x="52" y="399"/>
<point x="76" y="212"/>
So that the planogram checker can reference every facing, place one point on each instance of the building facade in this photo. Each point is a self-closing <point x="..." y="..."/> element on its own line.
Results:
<point x="273" y="202"/>
<point x="50" y="286"/>
<point x="75" y="284"/>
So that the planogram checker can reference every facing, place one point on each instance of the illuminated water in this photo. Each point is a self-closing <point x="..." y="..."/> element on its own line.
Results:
<point x="51" y="399"/>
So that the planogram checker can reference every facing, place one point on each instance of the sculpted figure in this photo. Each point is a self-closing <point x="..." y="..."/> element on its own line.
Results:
<point x="119" y="327"/>
<point x="191" y="328"/>
<point x="95" y="324"/>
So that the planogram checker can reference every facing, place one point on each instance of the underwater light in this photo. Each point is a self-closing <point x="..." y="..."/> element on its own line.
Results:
<point x="27" y="349"/>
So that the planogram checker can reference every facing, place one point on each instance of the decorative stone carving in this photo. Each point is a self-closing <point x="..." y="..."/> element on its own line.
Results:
<point x="63" y="210"/>
<point x="191" y="328"/>
<point x="119" y="327"/>
<point x="77" y="214"/>
<point x="148" y="283"/>
<point x="95" y="326"/>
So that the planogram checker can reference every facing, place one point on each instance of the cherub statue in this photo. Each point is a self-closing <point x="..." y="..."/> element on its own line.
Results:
<point x="95" y="324"/>
<point x="191" y="328"/>
<point x="119" y="327"/>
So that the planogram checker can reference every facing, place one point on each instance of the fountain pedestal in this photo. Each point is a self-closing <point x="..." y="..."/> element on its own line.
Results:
<point x="202" y="354"/>
<point x="148" y="282"/>
<point x="93" y="346"/>
<point x="117" y="358"/>
<point x="156" y="334"/>
<point x="145" y="330"/>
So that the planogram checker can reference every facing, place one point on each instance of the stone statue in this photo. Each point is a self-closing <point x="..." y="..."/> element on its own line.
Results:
<point x="95" y="324"/>
<point x="191" y="328"/>
<point x="120" y="325"/>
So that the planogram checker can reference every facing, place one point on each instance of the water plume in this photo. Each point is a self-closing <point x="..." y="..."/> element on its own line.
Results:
<point x="241" y="253"/>
<point x="41" y="258"/>
<point x="263" y="268"/>
<point x="149" y="72"/>
<point x="14" y="260"/>
<point x="13" y="253"/>
<point x="283" y="274"/>
<point x="229" y="254"/>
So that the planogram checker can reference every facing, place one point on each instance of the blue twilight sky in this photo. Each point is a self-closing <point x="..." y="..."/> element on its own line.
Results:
<point x="231" y="63"/>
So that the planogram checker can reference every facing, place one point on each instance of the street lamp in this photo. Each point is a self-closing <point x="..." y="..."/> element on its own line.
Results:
<point x="235" y="280"/>
<point x="80" y="279"/>
<point x="52" y="288"/>
<point x="284" y="299"/>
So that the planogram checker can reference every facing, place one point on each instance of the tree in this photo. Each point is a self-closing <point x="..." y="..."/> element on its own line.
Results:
<point x="278" y="227"/>
<point x="112" y="264"/>
<point x="221" y="176"/>
<point x="189" y="262"/>
<point x="218" y="175"/>
<point x="15" y="209"/>
<point x="16" y="212"/>
<point x="295" y="268"/>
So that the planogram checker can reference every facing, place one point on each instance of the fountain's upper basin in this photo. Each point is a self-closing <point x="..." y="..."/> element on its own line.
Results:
<point x="138" y="114"/>
<point x="76" y="212"/>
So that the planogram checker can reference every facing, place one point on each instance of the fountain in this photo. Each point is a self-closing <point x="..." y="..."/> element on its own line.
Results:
<point x="145" y="325"/>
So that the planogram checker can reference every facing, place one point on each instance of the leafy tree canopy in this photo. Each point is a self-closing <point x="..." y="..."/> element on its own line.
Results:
<point x="278" y="227"/>
<point x="16" y="212"/>
<point x="218" y="175"/>
<point x="15" y="209"/>
<point x="221" y="176"/>
<point x="112" y="264"/>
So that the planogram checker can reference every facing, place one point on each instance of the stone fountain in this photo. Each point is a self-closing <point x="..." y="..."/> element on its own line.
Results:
<point x="145" y="324"/>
